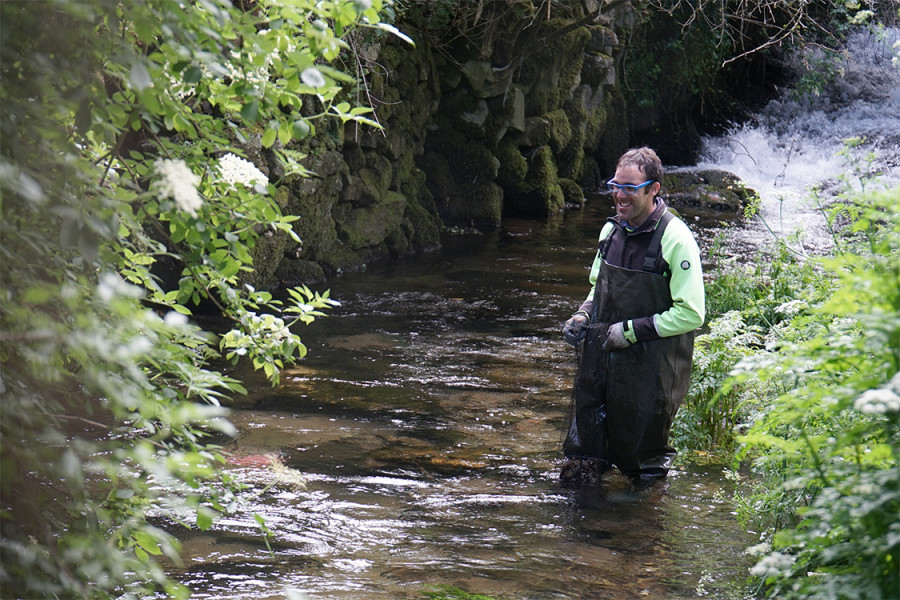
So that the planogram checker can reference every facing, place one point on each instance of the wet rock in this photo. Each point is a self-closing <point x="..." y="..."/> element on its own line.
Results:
<point x="577" y="472"/>
<point x="707" y="190"/>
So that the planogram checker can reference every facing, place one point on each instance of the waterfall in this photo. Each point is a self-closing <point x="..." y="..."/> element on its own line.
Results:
<point x="795" y="143"/>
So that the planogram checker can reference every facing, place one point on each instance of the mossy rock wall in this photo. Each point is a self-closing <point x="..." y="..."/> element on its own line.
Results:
<point x="516" y="116"/>
<point x="526" y="106"/>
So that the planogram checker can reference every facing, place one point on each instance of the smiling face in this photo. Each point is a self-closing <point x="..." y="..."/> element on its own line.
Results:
<point x="634" y="208"/>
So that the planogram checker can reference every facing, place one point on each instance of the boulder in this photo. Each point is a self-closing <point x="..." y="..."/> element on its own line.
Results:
<point x="707" y="190"/>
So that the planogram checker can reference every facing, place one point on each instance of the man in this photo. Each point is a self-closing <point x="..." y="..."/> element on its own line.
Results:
<point x="637" y="329"/>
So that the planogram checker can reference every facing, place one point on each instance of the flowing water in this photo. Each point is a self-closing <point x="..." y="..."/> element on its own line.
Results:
<point x="427" y="419"/>
<point x="797" y="143"/>
<point x="427" y="422"/>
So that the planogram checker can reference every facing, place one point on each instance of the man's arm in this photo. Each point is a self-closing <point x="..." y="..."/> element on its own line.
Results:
<point x="680" y="250"/>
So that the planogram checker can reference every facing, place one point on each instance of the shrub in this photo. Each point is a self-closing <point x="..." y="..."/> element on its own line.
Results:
<point x="125" y="206"/>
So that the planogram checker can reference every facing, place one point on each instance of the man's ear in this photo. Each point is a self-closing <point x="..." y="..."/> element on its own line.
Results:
<point x="655" y="187"/>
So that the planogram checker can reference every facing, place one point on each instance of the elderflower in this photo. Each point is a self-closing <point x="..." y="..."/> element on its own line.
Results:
<point x="773" y="565"/>
<point x="235" y="170"/>
<point x="179" y="183"/>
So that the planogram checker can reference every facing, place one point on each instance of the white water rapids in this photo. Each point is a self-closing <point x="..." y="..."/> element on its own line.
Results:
<point x="795" y="144"/>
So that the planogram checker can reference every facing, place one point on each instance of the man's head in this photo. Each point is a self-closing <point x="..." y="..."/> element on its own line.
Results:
<point x="638" y="179"/>
<point x="644" y="159"/>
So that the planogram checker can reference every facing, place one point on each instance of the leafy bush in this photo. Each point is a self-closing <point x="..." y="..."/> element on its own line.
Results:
<point x="824" y="452"/>
<point x="125" y="205"/>
<point x="748" y="304"/>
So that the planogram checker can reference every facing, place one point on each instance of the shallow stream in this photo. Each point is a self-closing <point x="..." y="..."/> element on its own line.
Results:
<point x="427" y="423"/>
<point x="427" y="418"/>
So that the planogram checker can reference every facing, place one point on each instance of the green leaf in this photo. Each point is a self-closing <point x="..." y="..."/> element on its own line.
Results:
<point x="250" y="111"/>
<point x="285" y="132"/>
<point x="301" y="129"/>
<point x="140" y="77"/>
<point x="192" y="75"/>
<point x="204" y="518"/>
<point x="268" y="137"/>
<point x="147" y="542"/>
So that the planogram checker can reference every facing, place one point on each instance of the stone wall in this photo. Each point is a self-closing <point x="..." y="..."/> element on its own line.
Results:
<point x="517" y="114"/>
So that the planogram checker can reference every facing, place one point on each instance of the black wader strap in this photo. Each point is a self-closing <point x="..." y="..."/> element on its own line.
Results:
<point x="653" y="249"/>
<point x="604" y="244"/>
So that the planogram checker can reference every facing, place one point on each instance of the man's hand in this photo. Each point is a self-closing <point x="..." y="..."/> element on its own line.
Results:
<point x="615" y="338"/>
<point x="575" y="329"/>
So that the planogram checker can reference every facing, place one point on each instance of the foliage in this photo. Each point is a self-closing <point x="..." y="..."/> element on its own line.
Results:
<point x="745" y="28"/>
<point x="125" y="207"/>
<point x="748" y="304"/>
<point x="684" y="64"/>
<point x="826" y="449"/>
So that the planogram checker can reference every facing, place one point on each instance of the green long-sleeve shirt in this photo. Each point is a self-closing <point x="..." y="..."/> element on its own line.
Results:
<point x="688" y="311"/>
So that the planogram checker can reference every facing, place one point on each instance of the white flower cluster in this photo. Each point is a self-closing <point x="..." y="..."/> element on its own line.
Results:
<point x="235" y="170"/>
<point x="178" y="182"/>
<point x="257" y="77"/>
<point x="880" y="400"/>
<point x="789" y="309"/>
<point x="773" y="565"/>
<point x="896" y="59"/>
<point x="759" y="549"/>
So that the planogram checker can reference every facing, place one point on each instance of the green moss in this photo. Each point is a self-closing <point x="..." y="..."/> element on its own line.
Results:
<point x="362" y="227"/>
<point x="482" y="205"/>
<point x="560" y="129"/>
<point x="421" y="222"/>
<point x="296" y="272"/>
<point x="572" y="192"/>
<point x="570" y="159"/>
<point x="540" y="194"/>
<point x="423" y="228"/>
<point x="615" y="134"/>
<point x="440" y="181"/>
<point x="595" y="126"/>
<point x="402" y="169"/>
<point x="513" y="166"/>
<point x="570" y="46"/>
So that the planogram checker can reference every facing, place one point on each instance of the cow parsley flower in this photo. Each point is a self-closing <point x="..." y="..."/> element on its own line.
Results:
<point x="878" y="401"/>
<point x="235" y="170"/>
<point x="759" y="549"/>
<point x="178" y="182"/>
<point x="773" y="565"/>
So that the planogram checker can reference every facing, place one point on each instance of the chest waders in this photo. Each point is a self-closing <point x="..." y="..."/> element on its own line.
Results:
<point x="625" y="400"/>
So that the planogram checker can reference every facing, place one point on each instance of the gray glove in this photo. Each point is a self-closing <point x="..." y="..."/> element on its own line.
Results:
<point x="615" y="338"/>
<point x="575" y="329"/>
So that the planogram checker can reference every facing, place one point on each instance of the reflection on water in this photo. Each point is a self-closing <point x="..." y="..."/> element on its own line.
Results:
<point x="427" y="422"/>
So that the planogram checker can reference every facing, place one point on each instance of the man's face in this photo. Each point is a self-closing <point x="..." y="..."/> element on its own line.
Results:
<point x="634" y="208"/>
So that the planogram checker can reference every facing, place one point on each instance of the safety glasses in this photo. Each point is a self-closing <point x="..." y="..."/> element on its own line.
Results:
<point x="626" y="188"/>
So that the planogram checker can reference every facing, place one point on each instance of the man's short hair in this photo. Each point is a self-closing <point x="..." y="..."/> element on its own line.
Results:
<point x="646" y="160"/>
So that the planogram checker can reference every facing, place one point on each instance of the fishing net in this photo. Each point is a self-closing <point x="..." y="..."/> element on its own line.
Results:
<point x="584" y="438"/>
